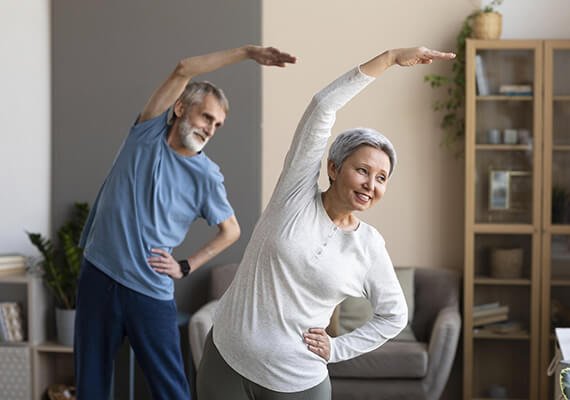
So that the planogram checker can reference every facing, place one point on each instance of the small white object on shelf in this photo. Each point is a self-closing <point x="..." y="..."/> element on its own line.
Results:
<point x="510" y="136"/>
<point x="516" y="90"/>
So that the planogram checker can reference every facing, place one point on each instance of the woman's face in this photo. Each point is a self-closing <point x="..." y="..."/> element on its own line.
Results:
<point x="361" y="180"/>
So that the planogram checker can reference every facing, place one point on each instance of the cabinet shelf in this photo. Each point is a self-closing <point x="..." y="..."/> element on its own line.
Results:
<point x="53" y="347"/>
<point x="17" y="277"/>
<point x="494" y="398"/>
<point x="503" y="98"/>
<point x="561" y="98"/>
<point x="561" y="147"/>
<point x="14" y="344"/>
<point x="559" y="229"/>
<point x="503" y="228"/>
<point x="483" y="280"/>
<point x="504" y="147"/>
<point x="560" y="282"/>
<point x="501" y="336"/>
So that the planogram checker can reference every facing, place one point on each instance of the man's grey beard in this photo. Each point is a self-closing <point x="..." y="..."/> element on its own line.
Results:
<point x="189" y="137"/>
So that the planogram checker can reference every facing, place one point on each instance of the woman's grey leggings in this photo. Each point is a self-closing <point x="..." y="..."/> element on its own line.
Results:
<point x="218" y="381"/>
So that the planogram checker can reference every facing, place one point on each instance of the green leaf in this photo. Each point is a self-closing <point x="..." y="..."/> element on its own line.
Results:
<point x="61" y="263"/>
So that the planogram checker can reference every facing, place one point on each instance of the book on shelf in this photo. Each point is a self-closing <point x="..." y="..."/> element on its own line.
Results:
<point x="12" y="264"/>
<point x="481" y="77"/>
<point x="11" y="323"/>
<point x="485" y="312"/>
<point x="490" y="319"/>
<point x="489" y="313"/>
<point x="503" y="328"/>
<point x="12" y="258"/>
<point x="3" y="330"/>
<point x="486" y="306"/>
<point x="516" y="90"/>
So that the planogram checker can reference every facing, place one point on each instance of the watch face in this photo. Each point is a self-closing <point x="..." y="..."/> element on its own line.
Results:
<point x="184" y="267"/>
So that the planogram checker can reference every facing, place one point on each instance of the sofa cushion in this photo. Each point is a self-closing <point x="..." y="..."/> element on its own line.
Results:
<point x="199" y="326"/>
<point x="221" y="278"/>
<point x="355" y="312"/>
<point x="392" y="360"/>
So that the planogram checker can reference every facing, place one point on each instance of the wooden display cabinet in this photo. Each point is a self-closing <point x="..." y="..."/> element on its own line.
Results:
<point x="517" y="158"/>
<point x="503" y="214"/>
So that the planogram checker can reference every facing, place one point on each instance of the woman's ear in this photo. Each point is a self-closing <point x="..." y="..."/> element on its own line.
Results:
<point x="332" y="171"/>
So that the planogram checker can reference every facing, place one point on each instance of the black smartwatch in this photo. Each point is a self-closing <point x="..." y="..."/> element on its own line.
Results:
<point x="184" y="267"/>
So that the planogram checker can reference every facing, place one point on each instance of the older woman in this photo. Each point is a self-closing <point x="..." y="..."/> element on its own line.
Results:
<point x="308" y="252"/>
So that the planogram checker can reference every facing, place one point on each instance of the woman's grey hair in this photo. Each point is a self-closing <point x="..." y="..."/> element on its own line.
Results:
<point x="195" y="92"/>
<point x="347" y="142"/>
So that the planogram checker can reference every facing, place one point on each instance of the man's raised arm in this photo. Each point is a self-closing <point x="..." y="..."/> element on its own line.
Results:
<point x="169" y="91"/>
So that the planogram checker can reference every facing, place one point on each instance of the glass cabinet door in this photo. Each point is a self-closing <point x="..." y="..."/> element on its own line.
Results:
<point x="556" y="202"/>
<point x="505" y="135"/>
<point x="560" y="175"/>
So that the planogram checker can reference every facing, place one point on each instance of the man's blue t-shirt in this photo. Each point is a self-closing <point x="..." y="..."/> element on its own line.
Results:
<point x="149" y="199"/>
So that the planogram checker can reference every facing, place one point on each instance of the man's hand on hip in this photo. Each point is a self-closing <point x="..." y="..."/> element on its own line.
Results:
<point x="164" y="263"/>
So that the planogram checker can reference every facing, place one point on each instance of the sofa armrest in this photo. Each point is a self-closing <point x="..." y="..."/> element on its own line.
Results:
<point x="442" y="348"/>
<point x="198" y="328"/>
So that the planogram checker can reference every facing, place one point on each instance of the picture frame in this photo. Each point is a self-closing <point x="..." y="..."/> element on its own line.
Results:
<point x="508" y="190"/>
<point x="499" y="183"/>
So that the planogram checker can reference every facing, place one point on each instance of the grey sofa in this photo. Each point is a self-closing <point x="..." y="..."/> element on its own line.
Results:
<point x="397" y="370"/>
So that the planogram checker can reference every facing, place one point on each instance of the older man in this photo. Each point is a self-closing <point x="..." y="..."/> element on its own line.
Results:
<point x="160" y="182"/>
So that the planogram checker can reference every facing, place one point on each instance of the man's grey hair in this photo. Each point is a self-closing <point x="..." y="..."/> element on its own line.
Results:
<point x="195" y="92"/>
<point x="347" y="142"/>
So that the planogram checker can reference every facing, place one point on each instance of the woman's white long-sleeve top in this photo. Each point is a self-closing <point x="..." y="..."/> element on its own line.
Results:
<point x="299" y="265"/>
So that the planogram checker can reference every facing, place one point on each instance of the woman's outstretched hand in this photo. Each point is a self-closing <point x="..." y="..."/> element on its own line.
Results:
<point x="418" y="55"/>
<point x="403" y="57"/>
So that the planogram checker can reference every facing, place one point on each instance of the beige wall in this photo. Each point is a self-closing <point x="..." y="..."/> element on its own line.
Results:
<point x="421" y="215"/>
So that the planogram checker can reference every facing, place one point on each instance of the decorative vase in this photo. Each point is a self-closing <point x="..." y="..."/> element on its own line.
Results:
<point x="487" y="25"/>
<point x="65" y="326"/>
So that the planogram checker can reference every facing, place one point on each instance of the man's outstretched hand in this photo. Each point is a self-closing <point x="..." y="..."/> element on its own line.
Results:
<point x="270" y="56"/>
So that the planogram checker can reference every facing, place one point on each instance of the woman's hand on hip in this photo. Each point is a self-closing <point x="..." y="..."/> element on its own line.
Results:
<point x="318" y="342"/>
<point x="163" y="263"/>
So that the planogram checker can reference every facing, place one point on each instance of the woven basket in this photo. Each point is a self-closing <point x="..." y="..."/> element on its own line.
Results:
<point x="506" y="263"/>
<point x="487" y="25"/>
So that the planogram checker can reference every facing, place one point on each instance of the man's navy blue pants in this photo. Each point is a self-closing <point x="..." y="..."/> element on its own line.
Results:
<point x="107" y="312"/>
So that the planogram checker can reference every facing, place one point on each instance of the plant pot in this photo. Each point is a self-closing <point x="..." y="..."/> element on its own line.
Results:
<point x="487" y="25"/>
<point x="65" y="326"/>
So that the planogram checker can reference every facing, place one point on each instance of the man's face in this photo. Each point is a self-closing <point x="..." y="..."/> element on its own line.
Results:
<point x="199" y="123"/>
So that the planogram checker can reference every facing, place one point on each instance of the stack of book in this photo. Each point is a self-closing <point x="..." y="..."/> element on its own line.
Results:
<point x="516" y="90"/>
<point x="12" y="264"/>
<point x="11" y="322"/>
<point x="490" y="313"/>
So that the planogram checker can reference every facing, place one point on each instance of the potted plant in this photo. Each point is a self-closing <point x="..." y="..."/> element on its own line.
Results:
<point x="480" y="25"/>
<point x="60" y="267"/>
<point x="565" y="383"/>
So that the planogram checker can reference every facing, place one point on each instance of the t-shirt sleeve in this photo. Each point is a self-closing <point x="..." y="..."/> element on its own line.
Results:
<point x="151" y="128"/>
<point x="216" y="208"/>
